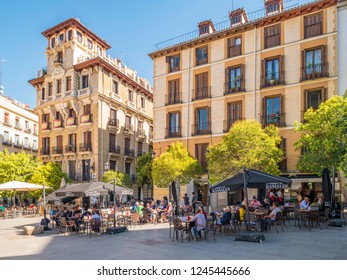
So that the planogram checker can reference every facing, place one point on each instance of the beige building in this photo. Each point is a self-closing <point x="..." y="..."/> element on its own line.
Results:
<point x="271" y="66"/>
<point x="18" y="127"/>
<point x="94" y="112"/>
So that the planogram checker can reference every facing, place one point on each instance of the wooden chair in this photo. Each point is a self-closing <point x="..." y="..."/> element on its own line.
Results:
<point x="179" y="228"/>
<point x="313" y="217"/>
<point x="96" y="226"/>
<point x="67" y="225"/>
<point x="210" y="227"/>
<point x="278" y="221"/>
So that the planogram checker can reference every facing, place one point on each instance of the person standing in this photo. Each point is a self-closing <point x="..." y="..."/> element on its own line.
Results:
<point x="186" y="201"/>
<point x="194" y="202"/>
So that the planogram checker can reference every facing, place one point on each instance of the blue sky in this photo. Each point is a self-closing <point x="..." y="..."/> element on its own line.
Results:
<point x="132" y="28"/>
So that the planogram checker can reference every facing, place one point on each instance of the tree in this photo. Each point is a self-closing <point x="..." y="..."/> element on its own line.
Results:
<point x="246" y="145"/>
<point x="175" y="165"/>
<point x="17" y="166"/>
<point x="144" y="169"/>
<point x="323" y="136"/>
<point x="120" y="177"/>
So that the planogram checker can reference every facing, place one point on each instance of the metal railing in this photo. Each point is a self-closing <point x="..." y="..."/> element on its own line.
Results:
<point x="71" y="121"/>
<point x="129" y="152"/>
<point x="274" y="79"/>
<point x="113" y="122"/>
<point x="234" y="51"/>
<point x="85" y="147"/>
<point x="201" y="128"/>
<point x="57" y="150"/>
<point x="114" y="149"/>
<point x="275" y="119"/>
<point x="70" y="149"/>
<point x="227" y="124"/>
<point x="225" y="25"/>
<point x="173" y="98"/>
<point x="315" y="71"/>
<point x="201" y="93"/>
<point x="86" y="118"/>
<point x="234" y="86"/>
<point x="45" y="151"/>
<point x="173" y="132"/>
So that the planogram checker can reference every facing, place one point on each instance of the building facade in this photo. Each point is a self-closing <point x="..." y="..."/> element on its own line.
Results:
<point x="94" y="112"/>
<point x="18" y="127"/>
<point x="269" y="66"/>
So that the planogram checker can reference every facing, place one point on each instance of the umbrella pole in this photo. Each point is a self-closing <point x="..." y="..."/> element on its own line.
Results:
<point x="246" y="193"/>
<point x="44" y="205"/>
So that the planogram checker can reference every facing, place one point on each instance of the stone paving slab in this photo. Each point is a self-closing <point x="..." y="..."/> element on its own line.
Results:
<point x="152" y="242"/>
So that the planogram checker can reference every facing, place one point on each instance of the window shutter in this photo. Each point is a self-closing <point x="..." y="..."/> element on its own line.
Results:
<point x="324" y="67"/>
<point x="226" y="80"/>
<point x="264" y="110"/>
<point x="282" y="72"/>
<point x="303" y="64"/>
<point x="283" y="120"/>
<point x="263" y="72"/>
<point x="243" y="76"/>
<point x="324" y="94"/>
<point x="305" y="101"/>
<point x="179" y="123"/>
<point x="209" y="122"/>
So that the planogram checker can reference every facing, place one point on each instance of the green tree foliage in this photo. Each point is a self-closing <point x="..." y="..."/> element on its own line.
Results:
<point x="144" y="169"/>
<point x="246" y="145"/>
<point x="175" y="165"/>
<point x="20" y="166"/>
<point x="50" y="175"/>
<point x="323" y="137"/>
<point x="121" y="178"/>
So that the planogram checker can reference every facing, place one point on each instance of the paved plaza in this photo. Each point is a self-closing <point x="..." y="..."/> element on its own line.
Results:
<point x="152" y="242"/>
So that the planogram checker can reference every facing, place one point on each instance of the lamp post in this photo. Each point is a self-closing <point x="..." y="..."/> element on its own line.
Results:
<point x="152" y="187"/>
<point x="107" y="167"/>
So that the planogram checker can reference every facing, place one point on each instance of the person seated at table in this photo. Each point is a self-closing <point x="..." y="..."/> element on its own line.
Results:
<point x="161" y="210"/>
<point x="305" y="203"/>
<point x="200" y="223"/>
<point x="269" y="219"/>
<point x="96" y="221"/>
<point x="226" y="216"/>
<point x="255" y="203"/>
<point x="2" y="207"/>
<point x="54" y="214"/>
<point x="139" y="208"/>
<point x="86" y="213"/>
<point x="242" y="213"/>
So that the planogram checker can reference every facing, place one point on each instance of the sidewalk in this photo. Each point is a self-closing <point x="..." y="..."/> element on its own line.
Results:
<point x="152" y="242"/>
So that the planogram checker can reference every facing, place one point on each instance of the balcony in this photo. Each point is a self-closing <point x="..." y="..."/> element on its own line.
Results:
<point x="57" y="124"/>
<point x="130" y="104"/>
<point x="71" y="121"/>
<point x="227" y="124"/>
<point x="17" y="144"/>
<point x="7" y="123"/>
<point x="46" y="126"/>
<point x="143" y="111"/>
<point x="141" y="134"/>
<point x="315" y="71"/>
<point x="45" y="151"/>
<point x="173" y="98"/>
<point x="85" y="147"/>
<point x="35" y="133"/>
<point x="70" y="149"/>
<point x="234" y="86"/>
<point x="7" y="142"/>
<point x="27" y="130"/>
<point x="34" y="149"/>
<point x="201" y="93"/>
<point x="115" y="149"/>
<point x="173" y="132"/>
<point x="17" y="126"/>
<point x="274" y="119"/>
<point x="271" y="80"/>
<point x="84" y="91"/>
<point x="116" y="97"/>
<point x="87" y="118"/>
<point x="234" y="51"/>
<point x="129" y="152"/>
<point x="128" y="129"/>
<point x="57" y="150"/>
<point x="26" y="147"/>
<point x="201" y="129"/>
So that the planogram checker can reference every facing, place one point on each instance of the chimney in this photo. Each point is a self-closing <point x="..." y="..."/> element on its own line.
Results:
<point x="273" y="7"/>
<point x="238" y="17"/>
<point x="206" y="27"/>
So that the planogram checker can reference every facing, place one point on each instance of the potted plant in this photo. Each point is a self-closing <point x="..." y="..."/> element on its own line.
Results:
<point x="271" y="79"/>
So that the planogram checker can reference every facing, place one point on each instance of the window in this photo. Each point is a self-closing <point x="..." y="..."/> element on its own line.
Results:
<point x="99" y="50"/>
<point x="234" y="79"/>
<point x="7" y="119"/>
<point x="45" y="146"/>
<point x="72" y="169"/>
<point x="204" y="29"/>
<point x="85" y="81"/>
<point x="71" y="147"/>
<point x="50" y="89"/>
<point x="17" y="123"/>
<point x="143" y="102"/>
<point x="113" y="115"/>
<point x="59" y="86"/>
<point x="68" y="83"/>
<point x="139" y="148"/>
<point x="272" y="36"/>
<point x="273" y="72"/>
<point x="201" y="56"/>
<point x="273" y="113"/>
<point x="313" y="98"/>
<point x="16" y="140"/>
<point x="87" y="140"/>
<point x="202" y="90"/>
<point x="200" y="154"/>
<point x="127" y="168"/>
<point x="61" y="38"/>
<point x="45" y="118"/>
<point x="174" y="63"/>
<point x="234" y="113"/>
<point x="60" y="57"/>
<point x="234" y="46"/>
<point x="53" y="42"/>
<point x="35" y="145"/>
<point x="202" y="125"/>
<point x="313" y="25"/>
<point x="128" y="125"/>
<point x="90" y="44"/>
<point x="115" y="87"/>
<point x="79" y="36"/>
<point x="69" y="35"/>
<point x="35" y="129"/>
<point x="43" y="94"/>
<point x="272" y="8"/>
<point x="6" y="137"/>
<point x="26" y="124"/>
<point x="174" y="125"/>
<point x="130" y="95"/>
<point x="174" y="95"/>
